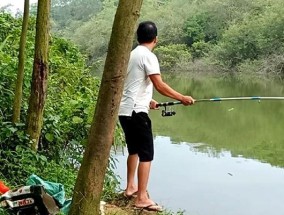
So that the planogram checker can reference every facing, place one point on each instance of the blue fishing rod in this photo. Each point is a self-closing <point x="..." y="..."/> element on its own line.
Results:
<point x="165" y="112"/>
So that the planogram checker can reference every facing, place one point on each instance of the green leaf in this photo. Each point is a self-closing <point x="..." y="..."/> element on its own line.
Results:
<point x="13" y="130"/>
<point x="77" y="120"/>
<point x="4" y="42"/>
<point x="49" y="137"/>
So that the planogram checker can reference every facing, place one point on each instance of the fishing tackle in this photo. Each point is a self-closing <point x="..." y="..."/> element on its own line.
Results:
<point x="166" y="112"/>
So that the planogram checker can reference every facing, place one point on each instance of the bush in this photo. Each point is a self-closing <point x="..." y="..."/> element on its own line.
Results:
<point x="252" y="39"/>
<point x="200" y="49"/>
<point x="72" y="95"/>
<point x="170" y="55"/>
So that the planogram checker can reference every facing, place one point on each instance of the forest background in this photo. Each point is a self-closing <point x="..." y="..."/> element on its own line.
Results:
<point x="240" y="38"/>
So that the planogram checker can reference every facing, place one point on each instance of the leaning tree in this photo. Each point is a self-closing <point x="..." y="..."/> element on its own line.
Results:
<point x="89" y="184"/>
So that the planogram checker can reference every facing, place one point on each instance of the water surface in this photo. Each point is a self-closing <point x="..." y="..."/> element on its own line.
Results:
<point x="184" y="179"/>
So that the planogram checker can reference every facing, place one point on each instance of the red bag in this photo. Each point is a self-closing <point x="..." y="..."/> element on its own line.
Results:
<point x="3" y="188"/>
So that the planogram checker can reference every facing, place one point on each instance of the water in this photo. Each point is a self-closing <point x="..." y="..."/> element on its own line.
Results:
<point x="183" y="179"/>
<point x="219" y="158"/>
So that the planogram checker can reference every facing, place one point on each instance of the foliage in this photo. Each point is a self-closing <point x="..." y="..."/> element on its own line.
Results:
<point x="252" y="39"/>
<point x="224" y="33"/>
<point x="72" y="93"/>
<point x="97" y="30"/>
<point x="200" y="49"/>
<point x="10" y="35"/>
<point x="111" y="181"/>
<point x="237" y="46"/>
<point x="93" y="36"/>
<point x="71" y="99"/>
<point x="29" y="162"/>
<point x="211" y="18"/>
<point x="167" y="17"/>
<point x="12" y="134"/>
<point x="2" y="212"/>
<point x="66" y="13"/>
<point x="168" y="212"/>
<point x="14" y="140"/>
<point x="171" y="55"/>
<point x="194" y="30"/>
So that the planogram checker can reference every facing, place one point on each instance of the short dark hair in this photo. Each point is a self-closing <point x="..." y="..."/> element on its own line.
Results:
<point x="146" y="32"/>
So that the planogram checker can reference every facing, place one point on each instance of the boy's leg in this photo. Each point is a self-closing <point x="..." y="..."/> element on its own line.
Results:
<point x="143" y="177"/>
<point x="131" y="187"/>
<point x="132" y="160"/>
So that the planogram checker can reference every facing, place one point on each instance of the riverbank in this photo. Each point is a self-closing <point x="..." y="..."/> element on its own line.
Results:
<point x="122" y="205"/>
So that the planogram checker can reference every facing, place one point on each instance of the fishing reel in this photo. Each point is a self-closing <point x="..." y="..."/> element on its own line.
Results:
<point x="166" y="112"/>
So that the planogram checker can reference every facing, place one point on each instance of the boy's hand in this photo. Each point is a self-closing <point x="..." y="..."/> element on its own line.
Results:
<point x="153" y="104"/>
<point x="187" y="100"/>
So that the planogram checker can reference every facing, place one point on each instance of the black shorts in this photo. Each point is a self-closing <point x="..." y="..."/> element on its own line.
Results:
<point x="138" y="135"/>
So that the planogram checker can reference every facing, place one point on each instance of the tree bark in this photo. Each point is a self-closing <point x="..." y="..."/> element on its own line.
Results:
<point x="20" y="75"/>
<point x="40" y="73"/>
<point x="89" y="184"/>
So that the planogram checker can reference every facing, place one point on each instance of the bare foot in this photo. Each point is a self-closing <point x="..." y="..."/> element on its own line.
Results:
<point x="143" y="202"/>
<point x="131" y="192"/>
<point x="149" y="206"/>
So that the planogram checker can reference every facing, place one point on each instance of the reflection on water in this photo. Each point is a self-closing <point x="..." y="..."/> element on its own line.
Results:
<point x="183" y="178"/>
<point x="249" y="128"/>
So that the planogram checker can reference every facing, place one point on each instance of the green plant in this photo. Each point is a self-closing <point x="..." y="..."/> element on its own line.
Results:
<point x="170" y="55"/>
<point x="168" y="212"/>
<point x="111" y="183"/>
<point x="200" y="49"/>
<point x="72" y="93"/>
<point x="3" y="212"/>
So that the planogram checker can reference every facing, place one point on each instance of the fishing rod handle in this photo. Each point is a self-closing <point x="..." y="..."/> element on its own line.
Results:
<point x="165" y="104"/>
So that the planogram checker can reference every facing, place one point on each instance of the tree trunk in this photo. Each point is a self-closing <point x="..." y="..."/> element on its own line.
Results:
<point x="40" y="72"/>
<point x="89" y="184"/>
<point x="20" y="76"/>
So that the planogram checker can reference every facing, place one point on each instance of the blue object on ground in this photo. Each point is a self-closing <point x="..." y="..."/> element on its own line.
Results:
<point x="56" y="190"/>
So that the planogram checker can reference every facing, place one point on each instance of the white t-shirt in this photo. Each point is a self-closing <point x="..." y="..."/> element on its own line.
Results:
<point x="138" y="88"/>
